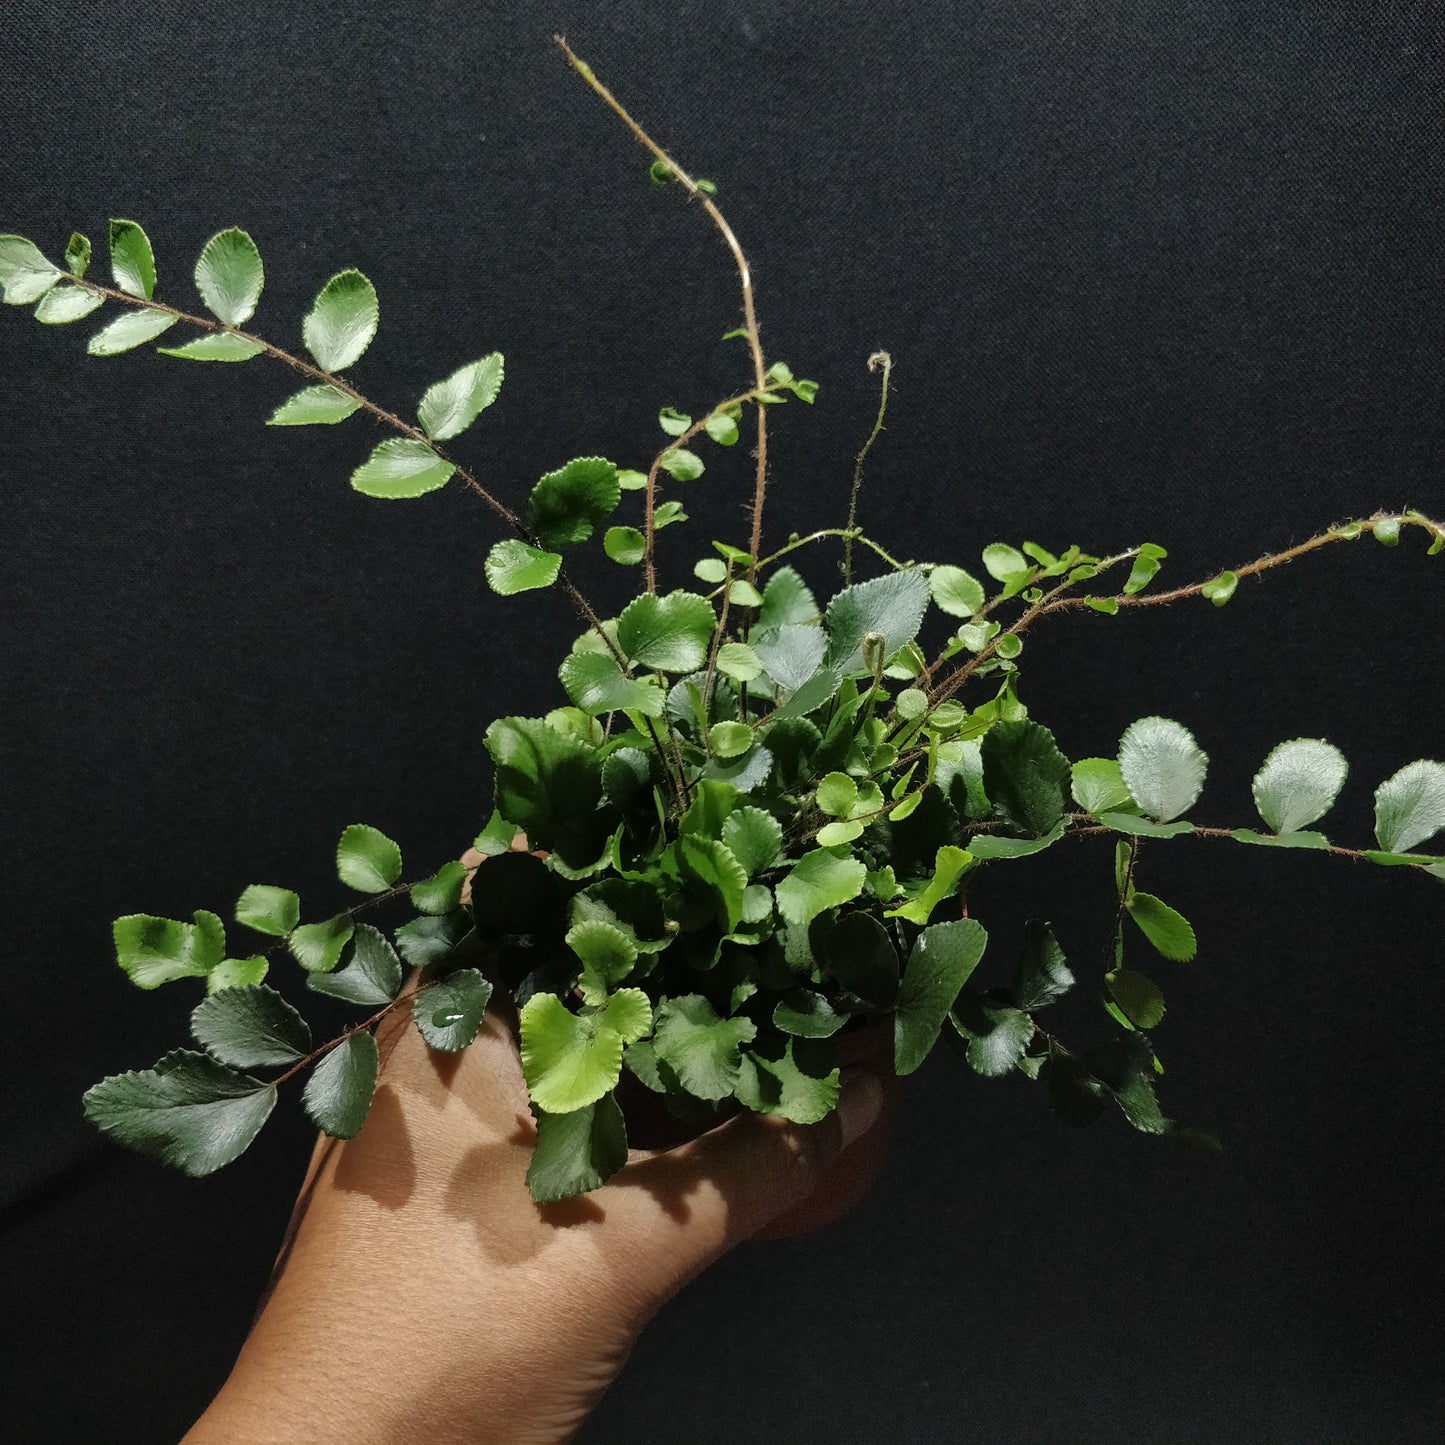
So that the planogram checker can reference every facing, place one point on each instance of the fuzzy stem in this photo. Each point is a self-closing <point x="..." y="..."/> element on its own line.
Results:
<point x="879" y="358"/>
<point x="750" y="319"/>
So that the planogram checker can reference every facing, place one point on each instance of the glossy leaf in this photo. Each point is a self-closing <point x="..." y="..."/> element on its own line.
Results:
<point x="997" y="1034"/>
<point x="127" y="332"/>
<point x="548" y="785"/>
<point x="798" y="1082"/>
<point x="786" y="599"/>
<point x="739" y="661"/>
<point x="729" y="739"/>
<point x="754" y="838"/>
<point x="1162" y="766"/>
<point x="1043" y="975"/>
<point x="596" y="684"/>
<point x="1410" y="806"/>
<point x="342" y="321"/>
<point x="448" y="1014"/>
<point x="702" y="1049"/>
<point x="236" y="973"/>
<point x="818" y="881"/>
<point x="1098" y="786"/>
<point x="792" y="653"/>
<point x="681" y="465"/>
<point x="449" y="407"/>
<point x="669" y="633"/>
<point x="132" y="263"/>
<point x="217" y="346"/>
<point x="229" y="276"/>
<point x="317" y="946"/>
<point x="338" y="1094"/>
<point x="1281" y="840"/>
<point x="576" y="1152"/>
<point x="943" y="957"/>
<point x="950" y="865"/>
<point x="25" y="274"/>
<point x="1136" y="996"/>
<point x="512" y="566"/>
<point x="607" y="954"/>
<point x="566" y="505"/>
<point x="313" y="406"/>
<point x="1298" y="783"/>
<point x="371" y="975"/>
<point x="891" y="607"/>
<point x="401" y="467"/>
<point x="189" y="1111"/>
<point x="367" y="860"/>
<point x="625" y="545"/>
<point x="63" y="304"/>
<point x="77" y="254"/>
<point x="250" y="1028"/>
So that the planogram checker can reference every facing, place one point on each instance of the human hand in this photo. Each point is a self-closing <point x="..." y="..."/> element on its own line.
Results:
<point x="421" y="1293"/>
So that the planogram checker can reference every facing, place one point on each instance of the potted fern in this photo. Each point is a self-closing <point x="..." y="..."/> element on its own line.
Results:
<point x="759" y="819"/>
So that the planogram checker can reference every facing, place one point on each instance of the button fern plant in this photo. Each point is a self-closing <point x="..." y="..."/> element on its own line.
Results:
<point x="753" y="818"/>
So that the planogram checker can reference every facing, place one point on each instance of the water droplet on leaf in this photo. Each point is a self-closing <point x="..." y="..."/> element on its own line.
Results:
<point x="444" y="1018"/>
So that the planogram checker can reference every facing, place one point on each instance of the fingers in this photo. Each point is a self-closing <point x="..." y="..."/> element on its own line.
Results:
<point x="735" y="1180"/>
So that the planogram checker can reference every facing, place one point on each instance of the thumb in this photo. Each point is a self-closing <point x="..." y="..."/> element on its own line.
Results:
<point x="737" y="1179"/>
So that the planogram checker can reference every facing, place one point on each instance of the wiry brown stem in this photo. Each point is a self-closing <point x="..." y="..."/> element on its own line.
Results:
<point x="750" y="319"/>
<point x="583" y="608"/>
<point x="879" y="358"/>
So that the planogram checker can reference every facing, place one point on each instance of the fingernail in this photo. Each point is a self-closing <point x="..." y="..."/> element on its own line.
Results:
<point x="859" y="1105"/>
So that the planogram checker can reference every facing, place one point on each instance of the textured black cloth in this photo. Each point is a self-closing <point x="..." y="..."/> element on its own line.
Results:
<point x="1148" y="271"/>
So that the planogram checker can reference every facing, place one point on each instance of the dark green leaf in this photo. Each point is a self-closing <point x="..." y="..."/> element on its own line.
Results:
<point x="808" y="1015"/>
<point x="711" y="863"/>
<point x="367" y="860"/>
<point x="314" y="405"/>
<point x="891" y="607"/>
<point x="250" y="1028"/>
<point x="434" y="939"/>
<point x="342" y="321"/>
<point x="189" y="1111"/>
<point x="448" y="1014"/>
<point x="942" y="959"/>
<point x="371" y="975"/>
<point x="701" y="1048"/>
<point x="1282" y="840"/>
<point x="273" y="911"/>
<point x="1137" y="996"/>
<point x="566" y="505"/>
<point x="513" y="566"/>
<point x="401" y="467"/>
<point x="338" y="1093"/>
<point x="549" y="785"/>
<point x="229" y="276"/>
<point x="1043" y="975"/>
<point x="576" y="1152"/>
<point x="792" y="654"/>
<point x="132" y="262"/>
<point x="1025" y="775"/>
<point x="997" y="1034"/>
<point x="862" y="959"/>
<point x="987" y="847"/>
<point x="449" y="407"/>
<point x="797" y="1081"/>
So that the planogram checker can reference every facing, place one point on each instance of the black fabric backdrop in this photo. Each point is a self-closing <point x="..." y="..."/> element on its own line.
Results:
<point x="1147" y="271"/>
